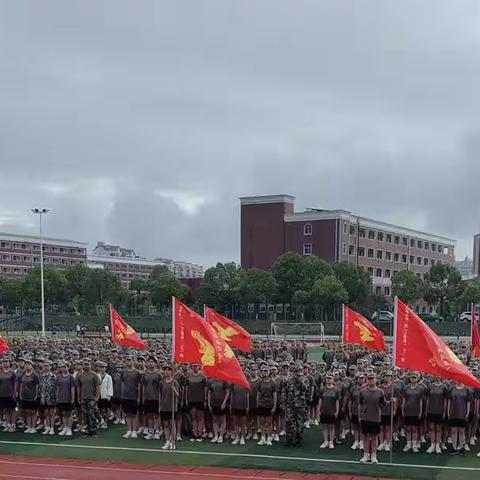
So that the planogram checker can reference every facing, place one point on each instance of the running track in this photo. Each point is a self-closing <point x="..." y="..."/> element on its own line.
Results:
<point x="39" y="468"/>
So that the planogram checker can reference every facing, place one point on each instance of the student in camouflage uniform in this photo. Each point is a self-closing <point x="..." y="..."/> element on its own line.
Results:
<point x="294" y="397"/>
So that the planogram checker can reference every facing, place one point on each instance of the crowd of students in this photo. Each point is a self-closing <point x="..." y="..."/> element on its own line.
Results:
<point x="50" y="386"/>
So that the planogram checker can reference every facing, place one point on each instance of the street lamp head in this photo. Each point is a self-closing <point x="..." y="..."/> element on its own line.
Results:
<point x="40" y="210"/>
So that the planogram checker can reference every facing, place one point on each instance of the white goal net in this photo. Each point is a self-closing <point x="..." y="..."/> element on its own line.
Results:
<point x="290" y="330"/>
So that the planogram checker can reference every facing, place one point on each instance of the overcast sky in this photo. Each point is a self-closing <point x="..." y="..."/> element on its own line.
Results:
<point x="141" y="122"/>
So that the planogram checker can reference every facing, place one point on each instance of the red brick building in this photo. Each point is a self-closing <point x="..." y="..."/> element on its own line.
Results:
<point x="270" y="227"/>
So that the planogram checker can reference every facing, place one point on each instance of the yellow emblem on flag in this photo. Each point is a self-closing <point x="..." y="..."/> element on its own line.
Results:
<point x="206" y="349"/>
<point x="365" y="333"/>
<point x="225" y="333"/>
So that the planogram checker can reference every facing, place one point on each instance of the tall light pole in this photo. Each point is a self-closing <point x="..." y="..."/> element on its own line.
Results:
<point x="40" y="212"/>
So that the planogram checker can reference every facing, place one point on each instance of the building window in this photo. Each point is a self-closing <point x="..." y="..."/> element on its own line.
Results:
<point x="412" y="259"/>
<point x="397" y="240"/>
<point x="380" y="236"/>
<point x="307" y="229"/>
<point x="419" y="244"/>
<point x="361" y="251"/>
<point x="351" y="249"/>
<point x="388" y="238"/>
<point x="23" y="246"/>
<point x="370" y="253"/>
<point x="378" y="272"/>
<point x="379" y="254"/>
<point x="344" y="248"/>
<point x="387" y="273"/>
<point x="345" y="228"/>
<point x="370" y="271"/>
<point x="361" y="232"/>
<point x="378" y="290"/>
<point x="405" y="241"/>
<point x="388" y="256"/>
<point x="387" y="291"/>
<point x="440" y="249"/>
<point x="412" y="242"/>
<point x="426" y="245"/>
<point x="352" y="229"/>
<point x="404" y="258"/>
<point x="371" y="234"/>
<point x="425" y="261"/>
<point x="434" y="247"/>
<point x="307" y="248"/>
<point x="396" y="257"/>
<point x="432" y="262"/>
<point x="419" y="260"/>
<point x="6" y="257"/>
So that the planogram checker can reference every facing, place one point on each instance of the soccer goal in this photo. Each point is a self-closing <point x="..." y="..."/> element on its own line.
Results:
<point x="286" y="330"/>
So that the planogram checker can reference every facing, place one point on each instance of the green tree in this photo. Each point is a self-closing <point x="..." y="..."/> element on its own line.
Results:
<point x="329" y="291"/>
<point x="356" y="281"/>
<point x="100" y="287"/>
<point x="289" y="276"/>
<point x="220" y="287"/>
<point x="443" y="285"/>
<point x="55" y="287"/>
<point x="10" y="293"/>
<point x="257" y="286"/>
<point x="139" y="285"/>
<point x="314" y="269"/>
<point x="471" y="294"/>
<point x="163" y="285"/>
<point x="76" y="277"/>
<point x="407" y="286"/>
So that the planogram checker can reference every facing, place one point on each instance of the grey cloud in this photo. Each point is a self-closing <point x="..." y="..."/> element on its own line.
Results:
<point x="369" y="106"/>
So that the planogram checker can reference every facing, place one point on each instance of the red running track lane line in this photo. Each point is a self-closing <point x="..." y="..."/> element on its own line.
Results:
<point x="38" y="468"/>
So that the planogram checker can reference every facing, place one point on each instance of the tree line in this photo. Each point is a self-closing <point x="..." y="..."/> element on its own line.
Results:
<point x="312" y="287"/>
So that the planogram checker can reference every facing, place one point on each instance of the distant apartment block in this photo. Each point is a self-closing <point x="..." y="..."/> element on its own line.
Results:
<point x="270" y="227"/>
<point x="19" y="253"/>
<point x="128" y="266"/>
<point x="465" y="268"/>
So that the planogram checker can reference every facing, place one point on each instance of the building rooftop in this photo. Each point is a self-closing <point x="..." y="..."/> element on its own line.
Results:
<point x="267" y="199"/>
<point x="16" y="237"/>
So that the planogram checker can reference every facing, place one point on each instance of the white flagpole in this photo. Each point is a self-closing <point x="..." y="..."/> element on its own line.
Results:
<point x="111" y="322"/>
<point x="343" y="321"/>
<point x="173" y="429"/>
<point x="393" y="334"/>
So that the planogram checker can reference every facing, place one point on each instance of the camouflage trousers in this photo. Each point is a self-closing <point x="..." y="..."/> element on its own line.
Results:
<point x="89" y="410"/>
<point x="295" y="424"/>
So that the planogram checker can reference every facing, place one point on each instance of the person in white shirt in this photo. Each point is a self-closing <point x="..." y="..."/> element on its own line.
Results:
<point x="106" y="392"/>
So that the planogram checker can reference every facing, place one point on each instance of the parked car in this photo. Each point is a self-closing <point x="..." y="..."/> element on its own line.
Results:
<point x="383" y="316"/>
<point x="466" y="316"/>
<point x="431" y="317"/>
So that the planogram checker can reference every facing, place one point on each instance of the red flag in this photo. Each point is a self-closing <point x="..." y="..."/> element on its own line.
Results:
<point x="357" y="329"/>
<point x="3" y="346"/>
<point x="231" y="332"/>
<point x="417" y="347"/>
<point x="475" y="335"/>
<point x="123" y="333"/>
<point x="196" y="341"/>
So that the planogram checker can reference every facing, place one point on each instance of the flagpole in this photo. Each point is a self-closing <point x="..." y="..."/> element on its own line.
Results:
<point x="472" y="314"/>
<point x="174" y="426"/>
<point x="111" y="322"/>
<point x="343" y="321"/>
<point x="393" y="331"/>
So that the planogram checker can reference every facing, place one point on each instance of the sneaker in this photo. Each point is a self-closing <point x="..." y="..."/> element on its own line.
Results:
<point x="255" y="436"/>
<point x="316" y="422"/>
<point x="167" y="445"/>
<point x="220" y="439"/>
<point x="431" y="449"/>
<point x="249" y="436"/>
<point x="68" y="433"/>
<point x="307" y="425"/>
<point x="415" y="449"/>
<point x="381" y="447"/>
<point x="269" y="441"/>
<point x="134" y="434"/>
<point x="478" y="454"/>
<point x="473" y="441"/>
<point x="123" y="422"/>
<point x="62" y="432"/>
<point x="116" y="421"/>
<point x="199" y="440"/>
<point x="11" y="429"/>
<point x="276" y="438"/>
<point x="360" y="445"/>
<point x="262" y="441"/>
<point x="103" y="426"/>
<point x="128" y="434"/>
<point x="324" y="444"/>
<point x="355" y="445"/>
<point x="214" y="439"/>
<point x="149" y="436"/>
<point x="395" y="437"/>
<point x="179" y="437"/>
<point x="46" y="431"/>
<point x="387" y="447"/>
<point x="438" y="449"/>
<point x="51" y="431"/>
<point x="331" y="446"/>
<point x="374" y="458"/>
<point x="407" y="447"/>
<point x="156" y="436"/>
<point x="365" y="458"/>
<point x="443" y="447"/>
<point x="236" y="441"/>
<point x="282" y="433"/>
<point x="173" y="446"/>
<point x="466" y="447"/>
<point x="242" y="441"/>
